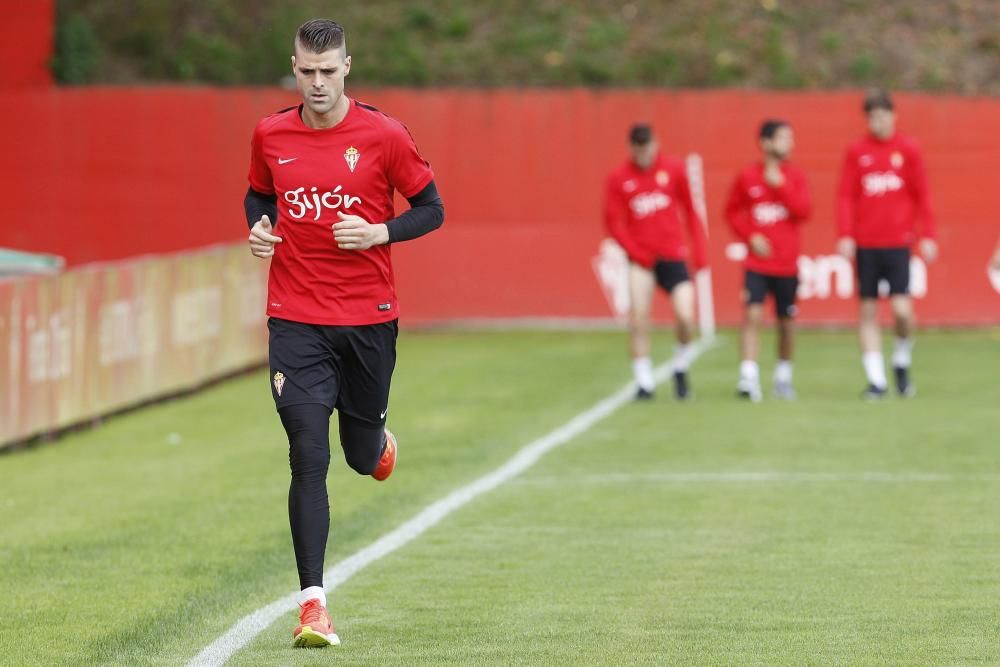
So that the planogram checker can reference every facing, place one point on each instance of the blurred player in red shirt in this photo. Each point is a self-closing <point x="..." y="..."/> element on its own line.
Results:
<point x="883" y="208"/>
<point x="325" y="171"/>
<point x="644" y="201"/>
<point x="767" y="203"/>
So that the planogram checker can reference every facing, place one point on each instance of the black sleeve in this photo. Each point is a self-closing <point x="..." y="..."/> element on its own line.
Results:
<point x="425" y="215"/>
<point x="256" y="205"/>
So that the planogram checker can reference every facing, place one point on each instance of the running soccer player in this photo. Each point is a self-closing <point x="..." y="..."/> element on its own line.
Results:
<point x="325" y="172"/>
<point x="883" y="207"/>
<point x="644" y="200"/>
<point x="767" y="203"/>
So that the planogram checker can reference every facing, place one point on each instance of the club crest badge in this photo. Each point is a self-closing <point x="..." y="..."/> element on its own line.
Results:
<point x="896" y="159"/>
<point x="352" y="155"/>
<point x="662" y="178"/>
<point x="279" y="381"/>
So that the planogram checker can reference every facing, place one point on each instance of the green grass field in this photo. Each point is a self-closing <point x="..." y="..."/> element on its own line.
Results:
<point x="825" y="531"/>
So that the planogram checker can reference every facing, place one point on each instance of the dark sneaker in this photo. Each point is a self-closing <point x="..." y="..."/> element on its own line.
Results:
<point x="681" y="388"/>
<point x="903" y="385"/>
<point x="873" y="393"/>
<point x="643" y="394"/>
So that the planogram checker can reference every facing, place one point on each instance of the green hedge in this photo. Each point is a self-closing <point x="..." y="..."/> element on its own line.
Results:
<point x="923" y="44"/>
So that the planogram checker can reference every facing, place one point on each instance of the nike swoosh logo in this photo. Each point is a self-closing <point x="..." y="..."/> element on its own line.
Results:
<point x="382" y="416"/>
<point x="286" y="160"/>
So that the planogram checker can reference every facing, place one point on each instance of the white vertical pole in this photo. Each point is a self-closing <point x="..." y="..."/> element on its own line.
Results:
<point x="703" y="279"/>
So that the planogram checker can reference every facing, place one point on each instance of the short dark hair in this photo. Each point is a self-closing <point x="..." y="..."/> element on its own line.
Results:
<point x="877" y="98"/>
<point x="320" y="35"/>
<point x="640" y="134"/>
<point x="770" y="127"/>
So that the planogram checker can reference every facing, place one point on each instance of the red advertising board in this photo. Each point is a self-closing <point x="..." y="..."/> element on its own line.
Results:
<point x="102" y="337"/>
<point x="153" y="170"/>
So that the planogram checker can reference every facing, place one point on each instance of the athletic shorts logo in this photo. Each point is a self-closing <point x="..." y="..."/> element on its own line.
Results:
<point x="352" y="156"/>
<point x="383" y="307"/>
<point x="279" y="381"/>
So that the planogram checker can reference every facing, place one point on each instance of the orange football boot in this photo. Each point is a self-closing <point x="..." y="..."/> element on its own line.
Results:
<point x="387" y="463"/>
<point x="315" y="627"/>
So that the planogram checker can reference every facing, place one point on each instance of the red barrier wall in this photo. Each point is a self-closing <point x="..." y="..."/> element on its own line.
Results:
<point x="104" y="173"/>
<point x="26" y="43"/>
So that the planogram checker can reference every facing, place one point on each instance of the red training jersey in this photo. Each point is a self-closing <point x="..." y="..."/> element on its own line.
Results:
<point x="755" y="207"/>
<point x="353" y="167"/>
<point x="883" y="200"/>
<point x="641" y="213"/>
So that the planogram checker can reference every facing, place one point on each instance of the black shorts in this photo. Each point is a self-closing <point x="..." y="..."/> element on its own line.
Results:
<point x="877" y="264"/>
<point x="670" y="274"/>
<point x="784" y="288"/>
<point x="344" y="367"/>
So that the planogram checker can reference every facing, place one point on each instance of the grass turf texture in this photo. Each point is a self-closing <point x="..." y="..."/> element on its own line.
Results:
<point x="141" y="549"/>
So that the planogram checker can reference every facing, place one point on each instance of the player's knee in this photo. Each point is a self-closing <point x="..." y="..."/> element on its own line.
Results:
<point x="685" y="321"/>
<point x="307" y="427"/>
<point x="639" y="320"/>
<point x="868" y="309"/>
<point x="362" y="443"/>
<point x="361" y="461"/>
<point x="902" y="307"/>
<point x="308" y="454"/>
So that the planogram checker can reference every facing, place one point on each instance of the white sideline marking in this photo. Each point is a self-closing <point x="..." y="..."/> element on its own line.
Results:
<point x="766" y="476"/>
<point x="248" y="627"/>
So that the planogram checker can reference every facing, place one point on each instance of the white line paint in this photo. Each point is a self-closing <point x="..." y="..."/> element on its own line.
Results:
<point x="774" y="477"/>
<point x="248" y="627"/>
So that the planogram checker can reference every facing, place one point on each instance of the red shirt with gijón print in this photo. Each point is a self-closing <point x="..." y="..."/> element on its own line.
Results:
<point x="643" y="210"/>
<point x="354" y="167"/>
<point x="883" y="201"/>
<point x="755" y="207"/>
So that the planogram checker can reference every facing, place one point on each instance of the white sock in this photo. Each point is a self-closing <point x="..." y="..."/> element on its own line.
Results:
<point x="874" y="368"/>
<point x="312" y="592"/>
<point x="749" y="370"/>
<point x="902" y="355"/>
<point x="642" y="368"/>
<point x="682" y="356"/>
<point x="783" y="372"/>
